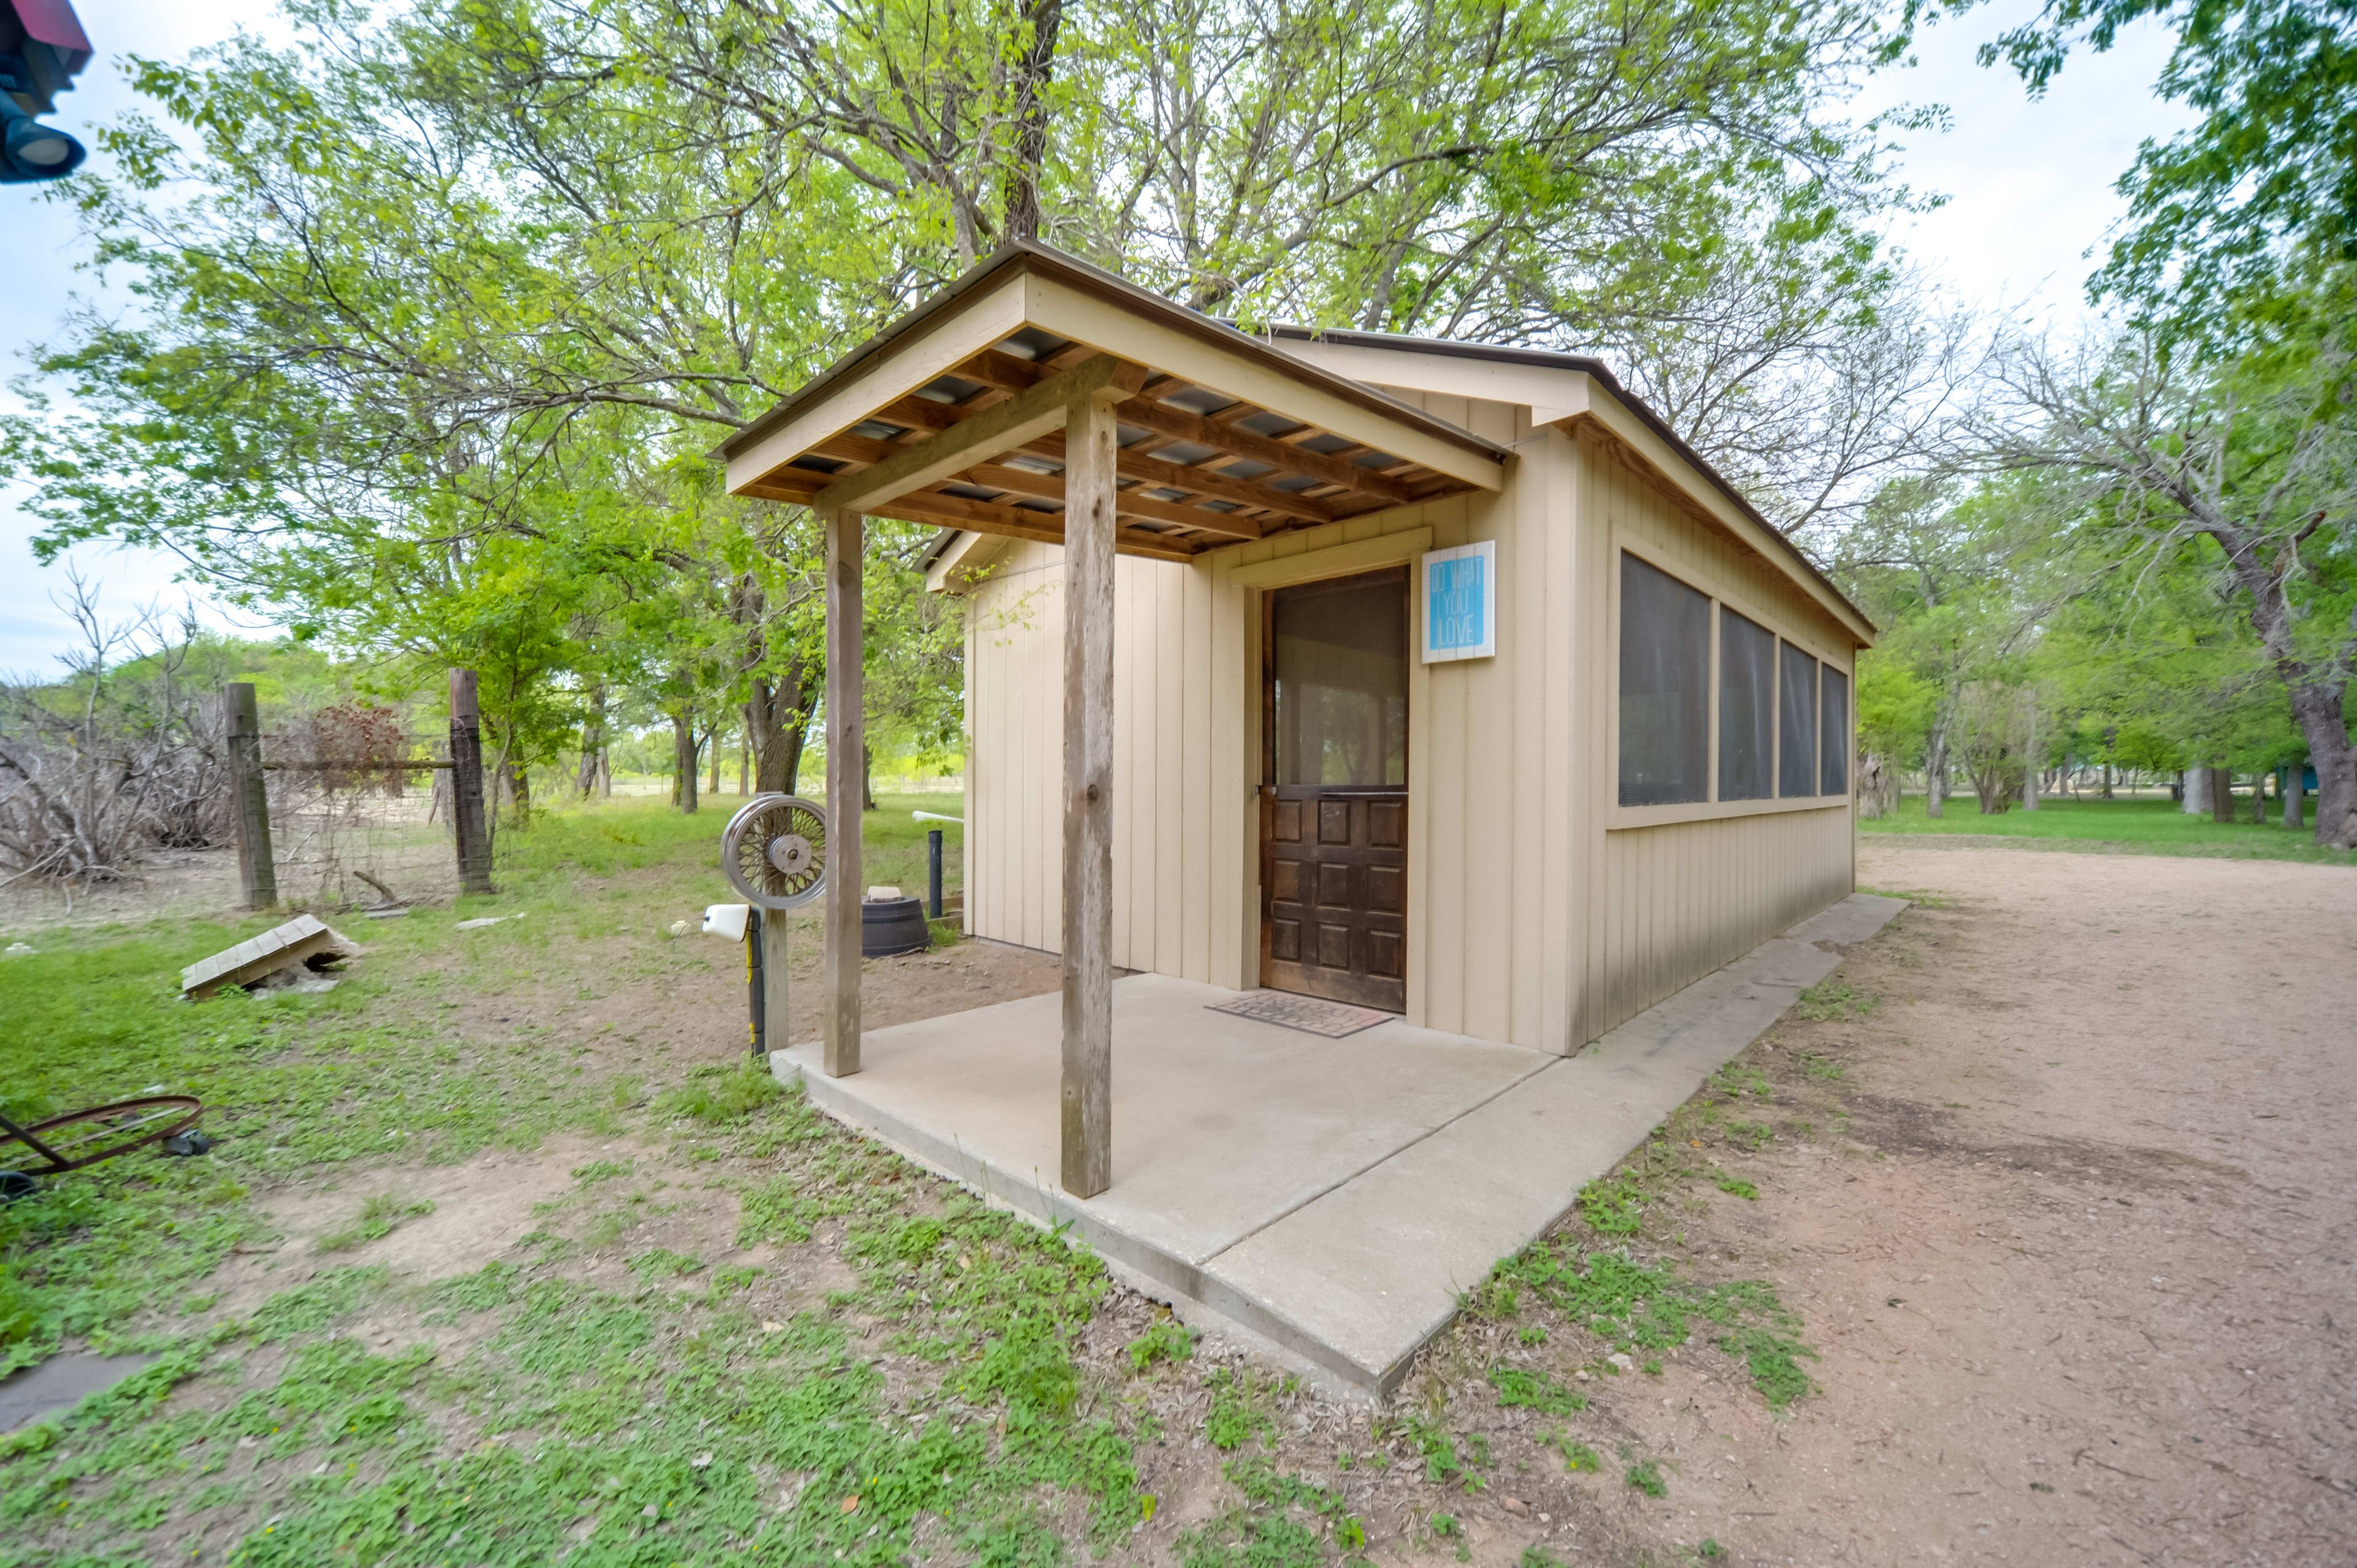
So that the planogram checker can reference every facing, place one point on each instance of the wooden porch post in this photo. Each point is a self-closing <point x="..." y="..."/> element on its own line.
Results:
<point x="1090" y="442"/>
<point x="845" y="735"/>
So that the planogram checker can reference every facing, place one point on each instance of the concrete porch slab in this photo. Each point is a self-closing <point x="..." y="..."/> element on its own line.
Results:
<point x="1331" y="1196"/>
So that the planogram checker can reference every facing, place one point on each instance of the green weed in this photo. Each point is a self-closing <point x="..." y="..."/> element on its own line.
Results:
<point x="376" y="1220"/>
<point x="1445" y="1463"/>
<point x="1238" y="1412"/>
<point x="1632" y="1306"/>
<point x="1753" y="1135"/>
<point x="1577" y="1456"/>
<point x="1288" y="1522"/>
<point x="1833" y="999"/>
<point x="1168" y="1340"/>
<point x="719" y="1095"/>
<point x="1738" y="1187"/>
<point x="1646" y="1476"/>
<point x="1612" y="1207"/>
<point x="663" y="1263"/>
<point x="1525" y="1390"/>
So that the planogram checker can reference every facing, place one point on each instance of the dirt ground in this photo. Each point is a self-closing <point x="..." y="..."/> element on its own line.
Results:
<point x="2062" y="1197"/>
<point x="2079" y="1262"/>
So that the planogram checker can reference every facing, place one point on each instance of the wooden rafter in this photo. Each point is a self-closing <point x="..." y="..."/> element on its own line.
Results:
<point x="1129" y="503"/>
<point x="980" y="440"/>
<point x="1005" y="372"/>
<point x="1038" y="408"/>
<point x="1019" y="522"/>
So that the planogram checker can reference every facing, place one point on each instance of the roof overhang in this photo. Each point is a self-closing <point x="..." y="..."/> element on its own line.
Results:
<point x="954" y="415"/>
<point x="1568" y="391"/>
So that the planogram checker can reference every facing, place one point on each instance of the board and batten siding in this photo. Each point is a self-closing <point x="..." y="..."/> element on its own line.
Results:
<point x="1531" y="917"/>
<point x="1668" y="903"/>
<point x="1490" y="757"/>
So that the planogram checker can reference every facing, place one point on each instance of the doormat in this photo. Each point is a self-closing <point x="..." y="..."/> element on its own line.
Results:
<point x="1310" y="1014"/>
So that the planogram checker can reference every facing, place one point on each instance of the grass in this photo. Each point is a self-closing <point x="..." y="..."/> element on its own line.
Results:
<point x="649" y="1414"/>
<point x="377" y="1219"/>
<point x="1645" y="1476"/>
<point x="2140" y="826"/>
<point x="1630" y="1306"/>
<point x="663" y="1405"/>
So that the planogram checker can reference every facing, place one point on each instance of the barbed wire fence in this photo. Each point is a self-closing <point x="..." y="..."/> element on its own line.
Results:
<point x="351" y="804"/>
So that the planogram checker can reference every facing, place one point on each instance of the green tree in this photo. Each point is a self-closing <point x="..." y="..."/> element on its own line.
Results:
<point x="2253" y="459"/>
<point x="2223" y="213"/>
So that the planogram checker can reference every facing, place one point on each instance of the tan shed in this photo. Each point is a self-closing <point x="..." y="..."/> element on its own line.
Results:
<point x="1425" y="676"/>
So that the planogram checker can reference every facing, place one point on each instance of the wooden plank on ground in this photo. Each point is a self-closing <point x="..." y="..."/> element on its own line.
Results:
<point x="297" y="941"/>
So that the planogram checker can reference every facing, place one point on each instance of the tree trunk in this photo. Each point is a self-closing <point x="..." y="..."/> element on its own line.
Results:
<point x="2295" y="786"/>
<point x="866" y="778"/>
<point x="2197" y="791"/>
<point x="777" y="720"/>
<point x="519" y="788"/>
<point x="606" y="772"/>
<point x="744" y="765"/>
<point x="2034" y="769"/>
<point x="592" y="741"/>
<point x="2107" y="780"/>
<point x="1876" y="787"/>
<point x="2222" y="795"/>
<point x="1935" y="763"/>
<point x="683" y="760"/>
<point x="1033" y="74"/>
<point x="2317" y="707"/>
<point x="714" y="741"/>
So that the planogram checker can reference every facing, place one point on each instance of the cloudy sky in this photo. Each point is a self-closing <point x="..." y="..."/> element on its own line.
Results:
<point x="2029" y="187"/>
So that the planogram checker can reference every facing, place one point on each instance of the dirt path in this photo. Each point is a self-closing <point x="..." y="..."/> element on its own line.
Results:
<point x="2093" y="1302"/>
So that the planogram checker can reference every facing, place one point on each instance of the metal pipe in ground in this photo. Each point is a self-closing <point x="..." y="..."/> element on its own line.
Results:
<point x="933" y="873"/>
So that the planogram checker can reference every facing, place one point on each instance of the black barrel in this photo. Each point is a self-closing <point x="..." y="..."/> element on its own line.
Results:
<point x="889" y="926"/>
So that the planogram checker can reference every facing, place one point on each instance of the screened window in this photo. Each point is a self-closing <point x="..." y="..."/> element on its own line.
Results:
<point x="1341" y="681"/>
<point x="1834" y="724"/>
<point x="1664" y="688"/>
<point x="1796" y="763"/>
<point x="1747" y="709"/>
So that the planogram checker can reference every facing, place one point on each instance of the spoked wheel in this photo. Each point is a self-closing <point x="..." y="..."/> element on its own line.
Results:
<point x="82" y="1138"/>
<point x="774" y="852"/>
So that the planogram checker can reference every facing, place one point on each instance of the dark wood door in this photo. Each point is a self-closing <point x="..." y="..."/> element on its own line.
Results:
<point x="1334" y="791"/>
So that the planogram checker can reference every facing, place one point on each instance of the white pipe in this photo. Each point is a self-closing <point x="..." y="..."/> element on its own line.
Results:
<point x="936" y="817"/>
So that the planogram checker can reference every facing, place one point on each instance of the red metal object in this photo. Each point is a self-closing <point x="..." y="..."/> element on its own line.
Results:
<point x="80" y="1138"/>
<point x="53" y="22"/>
<point x="45" y="49"/>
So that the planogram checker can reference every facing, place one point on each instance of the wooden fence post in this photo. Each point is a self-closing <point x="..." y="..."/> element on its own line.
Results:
<point x="257" y="871"/>
<point x="467" y="785"/>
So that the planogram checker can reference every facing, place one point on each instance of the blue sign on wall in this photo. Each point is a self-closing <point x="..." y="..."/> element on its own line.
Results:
<point x="1460" y="602"/>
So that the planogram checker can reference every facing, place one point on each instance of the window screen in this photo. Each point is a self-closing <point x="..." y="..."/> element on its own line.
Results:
<point x="1833" y="725"/>
<point x="1747" y="709"/>
<point x="1341" y="681"/>
<point x="1796" y="764"/>
<point x="1664" y="688"/>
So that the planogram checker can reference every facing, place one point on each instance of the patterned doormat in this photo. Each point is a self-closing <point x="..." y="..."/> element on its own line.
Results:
<point x="1310" y="1014"/>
